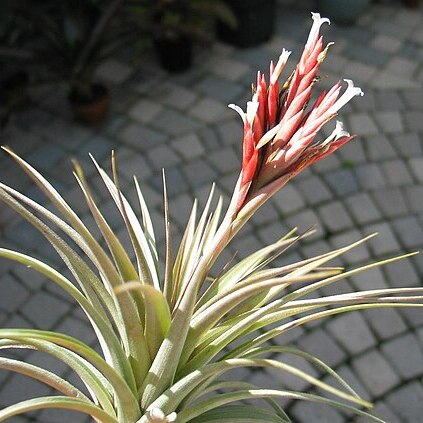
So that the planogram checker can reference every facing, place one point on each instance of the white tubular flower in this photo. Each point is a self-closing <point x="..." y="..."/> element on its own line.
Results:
<point x="283" y="58"/>
<point x="337" y="133"/>
<point x="252" y="108"/>
<point x="239" y="111"/>
<point x="349" y="93"/>
<point x="318" y="21"/>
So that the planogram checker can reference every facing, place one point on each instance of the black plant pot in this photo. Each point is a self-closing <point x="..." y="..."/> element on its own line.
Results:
<point x="256" y="23"/>
<point x="175" y="54"/>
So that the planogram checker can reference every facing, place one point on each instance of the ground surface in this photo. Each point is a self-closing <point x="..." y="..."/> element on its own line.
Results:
<point x="181" y="123"/>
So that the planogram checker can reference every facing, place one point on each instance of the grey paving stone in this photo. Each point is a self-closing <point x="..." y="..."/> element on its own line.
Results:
<point x="335" y="216"/>
<point x="407" y="402"/>
<point x="412" y="98"/>
<point x="320" y="344"/>
<point x="385" y="242"/>
<point x="305" y="220"/>
<point x="288" y="200"/>
<point x="375" y="372"/>
<point x="409" y="231"/>
<point x="396" y="173"/>
<point x="382" y="411"/>
<point x="209" y="110"/>
<point x="198" y="172"/>
<point x="135" y="165"/>
<point x="405" y="355"/>
<point x="220" y="65"/>
<point x="401" y="274"/>
<point x="370" y="176"/>
<point x="356" y="255"/>
<point x="140" y="137"/>
<point x="385" y="322"/>
<point x="224" y="160"/>
<point x="34" y="310"/>
<point x="145" y="110"/>
<point x="413" y="120"/>
<point x="175" y="95"/>
<point x="342" y="181"/>
<point x="389" y="122"/>
<point x="162" y="157"/>
<point x="379" y="148"/>
<point x="19" y="388"/>
<point x="64" y="416"/>
<point x="113" y="71"/>
<point x="188" y="146"/>
<point x="416" y="165"/>
<point x="219" y="88"/>
<point x="352" y="332"/>
<point x="266" y="213"/>
<point x="175" y="123"/>
<point x="313" y="190"/>
<point x="390" y="201"/>
<point x="401" y="66"/>
<point x="407" y="144"/>
<point x="307" y="412"/>
<point x="362" y="208"/>
<point x="13" y="293"/>
<point x="362" y="124"/>
<point x="414" y="197"/>
<point x="386" y="43"/>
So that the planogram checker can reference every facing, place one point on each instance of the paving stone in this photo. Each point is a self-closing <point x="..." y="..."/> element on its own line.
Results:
<point x="355" y="255"/>
<point x="266" y="213"/>
<point x="305" y="220"/>
<point x="385" y="242"/>
<point x="385" y="322"/>
<point x="413" y="120"/>
<point x="269" y="233"/>
<point x="198" y="172"/>
<point x="342" y="181"/>
<point x="370" y="176"/>
<point x="390" y="201"/>
<point x="352" y="332"/>
<point x="414" y="197"/>
<point x="389" y="121"/>
<point x="313" y="190"/>
<point x="219" y="88"/>
<point x="209" y="110"/>
<point x="412" y="98"/>
<point x="64" y="416"/>
<point x="382" y="411"/>
<point x="34" y="310"/>
<point x="113" y="71"/>
<point x="135" y="165"/>
<point x="188" y="146"/>
<point x="409" y="231"/>
<point x="145" y="110"/>
<point x="231" y="133"/>
<point x="401" y="274"/>
<point x="362" y="124"/>
<point x="405" y="355"/>
<point x="401" y="66"/>
<point x="175" y="95"/>
<point x="416" y="165"/>
<point x="13" y="293"/>
<point x="288" y="199"/>
<point x="224" y="160"/>
<point x="386" y="43"/>
<point x="175" y="123"/>
<point x="362" y="208"/>
<point x="407" y="402"/>
<point x="320" y="344"/>
<point x="220" y="65"/>
<point x="396" y="173"/>
<point x="335" y="216"/>
<point x="408" y="144"/>
<point x="379" y="148"/>
<point x="140" y="137"/>
<point x="162" y="157"/>
<point x="375" y="372"/>
<point x="308" y="412"/>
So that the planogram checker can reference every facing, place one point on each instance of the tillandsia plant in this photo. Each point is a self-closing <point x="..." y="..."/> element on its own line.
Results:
<point x="169" y="339"/>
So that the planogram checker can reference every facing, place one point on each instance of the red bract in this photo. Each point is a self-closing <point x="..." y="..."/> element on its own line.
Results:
<point x="279" y="131"/>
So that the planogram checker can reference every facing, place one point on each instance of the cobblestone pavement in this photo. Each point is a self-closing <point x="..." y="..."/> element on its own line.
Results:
<point x="182" y="123"/>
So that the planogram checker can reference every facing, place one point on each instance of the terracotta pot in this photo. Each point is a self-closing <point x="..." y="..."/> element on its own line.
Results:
<point x="90" y="110"/>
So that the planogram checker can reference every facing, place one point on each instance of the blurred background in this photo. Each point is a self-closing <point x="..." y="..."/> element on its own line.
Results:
<point x="152" y="80"/>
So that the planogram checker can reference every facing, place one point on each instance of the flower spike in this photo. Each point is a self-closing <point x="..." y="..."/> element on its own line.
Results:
<point x="279" y="125"/>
